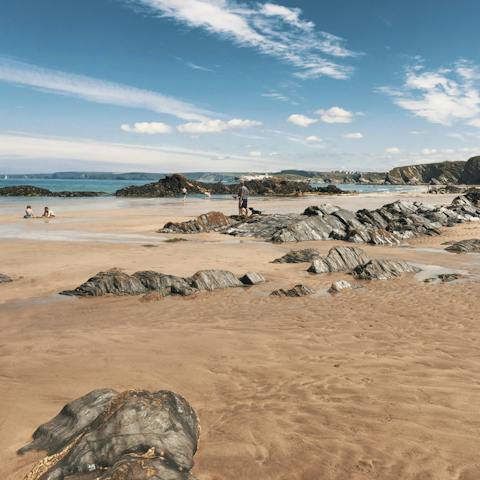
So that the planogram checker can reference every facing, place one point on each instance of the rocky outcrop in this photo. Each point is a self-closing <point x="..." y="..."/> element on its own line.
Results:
<point x="383" y="270"/>
<point x="339" y="285"/>
<point x="31" y="191"/>
<point x="442" y="172"/>
<point x="134" y="435"/>
<point x="208" y="222"/>
<point x="471" y="172"/>
<point x="115" y="282"/>
<point x="471" y="245"/>
<point x="5" y="278"/>
<point x="387" y="225"/>
<point x="173" y="185"/>
<point x="298" y="256"/>
<point x="339" y="259"/>
<point x="297" y="291"/>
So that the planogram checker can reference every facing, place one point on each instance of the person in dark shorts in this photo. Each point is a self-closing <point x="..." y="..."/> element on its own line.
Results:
<point x="243" y="200"/>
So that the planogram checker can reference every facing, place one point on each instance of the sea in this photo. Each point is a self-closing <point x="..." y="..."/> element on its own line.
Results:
<point x="110" y="186"/>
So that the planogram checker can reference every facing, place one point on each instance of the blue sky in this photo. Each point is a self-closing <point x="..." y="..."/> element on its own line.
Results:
<point x="224" y="85"/>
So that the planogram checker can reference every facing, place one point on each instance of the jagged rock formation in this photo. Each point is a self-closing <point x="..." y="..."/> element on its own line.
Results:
<point x="471" y="172"/>
<point x="356" y="262"/>
<point x="442" y="172"/>
<point x="172" y="186"/>
<point x="339" y="285"/>
<point x="339" y="259"/>
<point x="115" y="282"/>
<point x="297" y="291"/>
<point x="208" y="222"/>
<point x="5" y="278"/>
<point x="383" y="270"/>
<point x="471" y="245"/>
<point x="298" y="256"/>
<point x="31" y="191"/>
<point x="387" y="225"/>
<point x="134" y="435"/>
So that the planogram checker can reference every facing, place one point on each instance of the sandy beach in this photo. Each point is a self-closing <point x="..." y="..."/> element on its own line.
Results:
<point x="379" y="382"/>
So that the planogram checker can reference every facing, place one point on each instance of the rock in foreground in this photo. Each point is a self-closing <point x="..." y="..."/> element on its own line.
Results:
<point x="471" y="245"/>
<point x="383" y="270"/>
<point x="339" y="285"/>
<point x="115" y="282"/>
<point x="339" y="259"/>
<point x="5" y="278"/>
<point x="298" y="256"/>
<point x="208" y="222"/>
<point x="297" y="291"/>
<point x="134" y="435"/>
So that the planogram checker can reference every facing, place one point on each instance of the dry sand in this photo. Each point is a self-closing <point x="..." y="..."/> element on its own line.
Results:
<point x="380" y="382"/>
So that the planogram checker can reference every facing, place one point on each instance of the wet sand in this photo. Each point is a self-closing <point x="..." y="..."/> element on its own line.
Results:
<point x="379" y="382"/>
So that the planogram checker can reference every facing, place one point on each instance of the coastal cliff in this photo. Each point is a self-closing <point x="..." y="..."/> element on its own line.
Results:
<point x="442" y="172"/>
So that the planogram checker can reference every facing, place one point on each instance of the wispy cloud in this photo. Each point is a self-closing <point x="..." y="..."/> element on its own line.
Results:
<point x="354" y="136"/>
<point x="96" y="90"/>
<point x="271" y="29"/>
<point x="444" y="96"/>
<point x="194" y="66"/>
<point x="149" y="128"/>
<point x="29" y="147"/>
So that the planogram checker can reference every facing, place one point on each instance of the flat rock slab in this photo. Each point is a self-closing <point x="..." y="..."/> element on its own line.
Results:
<point x="383" y="270"/>
<point x="126" y="436"/>
<point x="297" y="291"/>
<point x="471" y="245"/>
<point x="208" y="222"/>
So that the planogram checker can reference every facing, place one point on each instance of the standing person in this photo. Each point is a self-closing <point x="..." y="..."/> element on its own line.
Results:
<point x="184" y="191"/>
<point x="243" y="200"/>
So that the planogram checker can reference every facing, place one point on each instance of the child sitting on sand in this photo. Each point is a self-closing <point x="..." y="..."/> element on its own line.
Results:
<point x="47" y="213"/>
<point x="28" y="212"/>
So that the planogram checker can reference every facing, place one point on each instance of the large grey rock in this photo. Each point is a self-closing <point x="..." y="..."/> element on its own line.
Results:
<point x="465" y="246"/>
<point x="252" y="278"/>
<point x="306" y="228"/>
<point x="112" y="282"/>
<point x="71" y="421"/>
<point x="297" y="291"/>
<point x="136" y="435"/>
<point x="214" y="279"/>
<point x="383" y="269"/>
<point x="162" y="283"/>
<point x="298" y="256"/>
<point x="339" y="259"/>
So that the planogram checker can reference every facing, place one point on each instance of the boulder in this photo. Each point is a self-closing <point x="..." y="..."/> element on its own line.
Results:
<point x="383" y="269"/>
<point x="134" y="435"/>
<point x="113" y="282"/>
<point x="339" y="285"/>
<point x="297" y="291"/>
<point x="471" y="172"/>
<point x="252" y="278"/>
<point x="214" y="279"/>
<point x="471" y="245"/>
<point x="5" y="278"/>
<point x="208" y="222"/>
<point x="298" y="256"/>
<point x="340" y="259"/>
<point x="162" y="283"/>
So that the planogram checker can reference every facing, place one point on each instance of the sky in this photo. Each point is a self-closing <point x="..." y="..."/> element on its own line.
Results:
<point x="229" y="85"/>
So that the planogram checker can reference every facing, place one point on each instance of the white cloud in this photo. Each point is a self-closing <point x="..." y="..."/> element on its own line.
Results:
<point x="95" y="90"/>
<point x="255" y="154"/>
<point x="444" y="96"/>
<point x="475" y="122"/>
<point x="354" y="136"/>
<point x="301" y="120"/>
<point x="417" y="132"/>
<point x="149" y="128"/>
<point x="429" y="151"/>
<point x="392" y="150"/>
<point x="313" y="138"/>
<point x="23" y="149"/>
<point x="271" y="29"/>
<point x="216" y="126"/>
<point x="335" y="115"/>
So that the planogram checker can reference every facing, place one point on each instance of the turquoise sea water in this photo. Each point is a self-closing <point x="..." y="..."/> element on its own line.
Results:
<point x="110" y="186"/>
